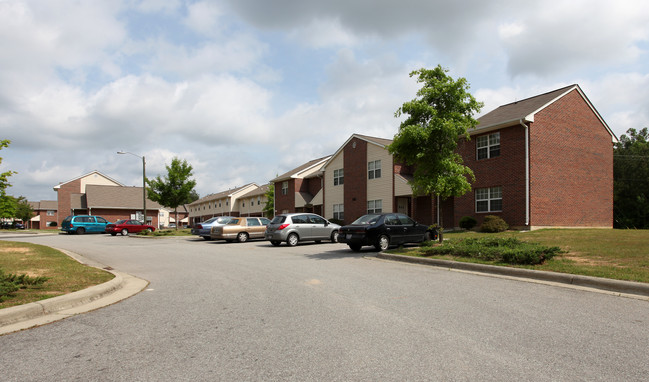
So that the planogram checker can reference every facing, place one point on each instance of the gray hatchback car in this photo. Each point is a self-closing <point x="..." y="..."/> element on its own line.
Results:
<point x="296" y="227"/>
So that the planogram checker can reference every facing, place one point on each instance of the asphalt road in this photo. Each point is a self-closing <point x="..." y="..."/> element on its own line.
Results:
<point x="248" y="312"/>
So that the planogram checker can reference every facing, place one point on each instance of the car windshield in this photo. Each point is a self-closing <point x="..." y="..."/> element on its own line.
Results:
<point x="210" y="220"/>
<point x="367" y="219"/>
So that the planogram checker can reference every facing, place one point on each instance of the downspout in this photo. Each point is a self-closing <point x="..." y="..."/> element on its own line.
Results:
<point x="527" y="172"/>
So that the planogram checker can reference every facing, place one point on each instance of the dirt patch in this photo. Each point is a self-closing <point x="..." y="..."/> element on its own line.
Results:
<point x="15" y="250"/>
<point x="582" y="260"/>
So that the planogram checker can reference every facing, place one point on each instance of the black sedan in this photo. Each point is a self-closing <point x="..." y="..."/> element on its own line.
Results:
<point x="383" y="230"/>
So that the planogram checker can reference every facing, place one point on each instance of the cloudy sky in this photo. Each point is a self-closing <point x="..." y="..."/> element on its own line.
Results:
<point x="248" y="89"/>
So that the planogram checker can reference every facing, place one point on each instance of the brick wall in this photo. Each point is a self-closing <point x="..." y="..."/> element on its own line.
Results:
<point x="63" y="197"/>
<point x="285" y="202"/>
<point x="571" y="166"/>
<point x="506" y="170"/>
<point x="355" y="166"/>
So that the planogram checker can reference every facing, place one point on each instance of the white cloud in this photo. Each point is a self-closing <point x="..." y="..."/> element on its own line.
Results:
<point x="203" y="17"/>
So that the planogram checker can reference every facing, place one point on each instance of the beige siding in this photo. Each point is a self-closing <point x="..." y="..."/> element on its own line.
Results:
<point x="380" y="188"/>
<point x="333" y="194"/>
<point x="401" y="186"/>
<point x="95" y="179"/>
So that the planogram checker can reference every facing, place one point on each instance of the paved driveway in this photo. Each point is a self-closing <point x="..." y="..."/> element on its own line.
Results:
<point x="221" y="311"/>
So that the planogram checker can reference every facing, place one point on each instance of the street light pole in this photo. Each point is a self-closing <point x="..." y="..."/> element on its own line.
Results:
<point x="143" y="180"/>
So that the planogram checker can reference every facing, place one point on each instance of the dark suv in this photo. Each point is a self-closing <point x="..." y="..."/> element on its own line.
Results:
<point x="81" y="224"/>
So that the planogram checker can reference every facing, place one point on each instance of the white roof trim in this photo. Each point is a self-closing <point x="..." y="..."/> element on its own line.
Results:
<point x="83" y="176"/>
<point x="363" y="138"/>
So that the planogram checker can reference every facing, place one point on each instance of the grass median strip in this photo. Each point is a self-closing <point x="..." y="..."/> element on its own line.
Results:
<point x="608" y="253"/>
<point x="64" y="275"/>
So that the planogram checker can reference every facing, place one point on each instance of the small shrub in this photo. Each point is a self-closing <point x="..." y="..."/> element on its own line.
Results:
<point x="500" y="250"/>
<point x="11" y="283"/>
<point x="468" y="222"/>
<point x="492" y="224"/>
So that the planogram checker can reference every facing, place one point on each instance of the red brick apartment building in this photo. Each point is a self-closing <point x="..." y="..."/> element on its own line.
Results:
<point x="300" y="190"/>
<point x="97" y="194"/>
<point x="546" y="161"/>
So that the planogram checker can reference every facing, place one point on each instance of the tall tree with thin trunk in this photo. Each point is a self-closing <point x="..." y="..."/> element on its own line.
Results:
<point x="175" y="188"/>
<point x="428" y="138"/>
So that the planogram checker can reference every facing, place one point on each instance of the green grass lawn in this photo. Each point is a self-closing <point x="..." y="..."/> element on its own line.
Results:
<point x="65" y="275"/>
<point x="615" y="254"/>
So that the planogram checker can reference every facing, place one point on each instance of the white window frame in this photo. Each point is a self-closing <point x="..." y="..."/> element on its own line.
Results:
<point x="285" y="188"/>
<point x="489" y="199"/>
<point x="339" y="211"/>
<point x="375" y="206"/>
<point x="339" y="177"/>
<point x="374" y="169"/>
<point x="488" y="144"/>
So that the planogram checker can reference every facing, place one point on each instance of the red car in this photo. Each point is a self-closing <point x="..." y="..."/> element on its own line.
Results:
<point x="124" y="227"/>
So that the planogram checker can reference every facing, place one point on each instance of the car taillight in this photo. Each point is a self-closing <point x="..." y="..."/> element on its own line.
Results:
<point x="282" y="227"/>
<point x="198" y="226"/>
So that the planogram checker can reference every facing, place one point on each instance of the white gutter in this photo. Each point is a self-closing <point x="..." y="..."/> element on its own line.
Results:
<point x="527" y="172"/>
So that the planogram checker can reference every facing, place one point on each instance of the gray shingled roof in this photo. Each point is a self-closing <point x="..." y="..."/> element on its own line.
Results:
<point x="380" y="141"/>
<point x="118" y="197"/>
<point x="299" y="169"/>
<point x="519" y="110"/>
<point x="259" y="191"/>
<point x="44" y="205"/>
<point x="219" y="195"/>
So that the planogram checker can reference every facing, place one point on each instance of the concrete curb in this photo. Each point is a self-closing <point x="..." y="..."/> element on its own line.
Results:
<point x="56" y="308"/>
<point x="617" y="286"/>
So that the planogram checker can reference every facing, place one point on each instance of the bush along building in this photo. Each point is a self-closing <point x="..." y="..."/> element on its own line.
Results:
<point x="545" y="161"/>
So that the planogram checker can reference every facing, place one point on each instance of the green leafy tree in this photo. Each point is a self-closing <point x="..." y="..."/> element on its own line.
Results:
<point x="175" y="188"/>
<point x="24" y="211"/>
<point x="631" y="180"/>
<point x="4" y="177"/>
<point x="7" y="204"/>
<point x="427" y="139"/>
<point x="269" y="207"/>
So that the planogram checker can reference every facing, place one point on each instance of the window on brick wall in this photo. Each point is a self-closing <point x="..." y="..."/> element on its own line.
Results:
<point x="488" y="146"/>
<point x="489" y="199"/>
<point x="50" y="213"/>
<point x="339" y="211"/>
<point x="374" y="169"/>
<point x="285" y="188"/>
<point x="339" y="177"/>
<point x="374" y="206"/>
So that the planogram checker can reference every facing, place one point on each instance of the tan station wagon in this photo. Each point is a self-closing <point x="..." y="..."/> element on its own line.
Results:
<point x="240" y="229"/>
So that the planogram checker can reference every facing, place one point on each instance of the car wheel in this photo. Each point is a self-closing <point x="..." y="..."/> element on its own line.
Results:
<point x="275" y="243"/>
<point x="80" y="231"/>
<point x="355" y="247"/>
<point x="124" y="232"/>
<point x="242" y="237"/>
<point x="113" y="234"/>
<point x="382" y="243"/>
<point x="292" y="240"/>
<point x="334" y="237"/>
